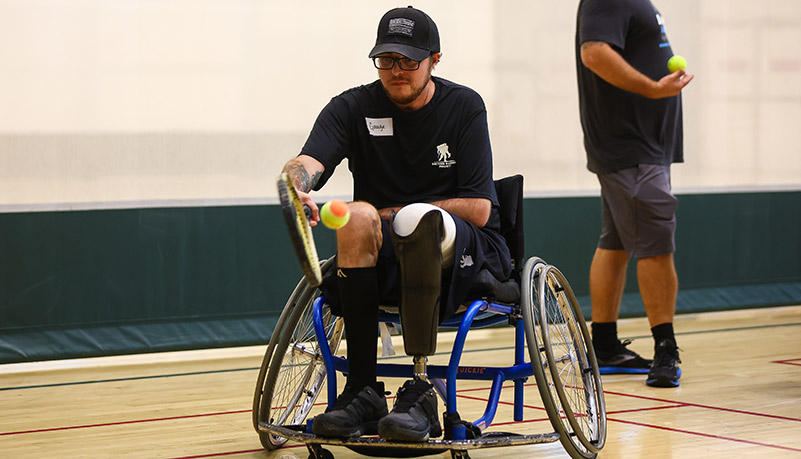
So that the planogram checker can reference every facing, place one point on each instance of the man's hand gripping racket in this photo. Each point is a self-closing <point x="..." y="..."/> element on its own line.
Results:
<point x="297" y="217"/>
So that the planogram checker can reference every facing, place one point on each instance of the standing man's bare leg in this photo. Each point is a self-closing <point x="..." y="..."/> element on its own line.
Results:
<point x="607" y="281"/>
<point x="659" y="286"/>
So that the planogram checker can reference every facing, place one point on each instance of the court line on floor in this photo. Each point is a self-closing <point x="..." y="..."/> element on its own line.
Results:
<point x="230" y="453"/>
<point x="674" y="404"/>
<point x="135" y="421"/>
<point x="709" y="407"/>
<point x="466" y="351"/>
<point x="129" y="378"/>
<point x="171" y="418"/>
<point x="793" y="362"/>
<point x="461" y="395"/>
<point x="723" y="330"/>
<point x="701" y="434"/>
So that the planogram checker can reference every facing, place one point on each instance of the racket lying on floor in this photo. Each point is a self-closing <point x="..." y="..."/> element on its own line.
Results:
<point x="296" y="217"/>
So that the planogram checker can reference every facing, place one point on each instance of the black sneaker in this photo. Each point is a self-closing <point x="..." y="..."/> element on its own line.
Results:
<point x="665" y="371"/>
<point x="414" y="416"/>
<point x="620" y="360"/>
<point x="356" y="412"/>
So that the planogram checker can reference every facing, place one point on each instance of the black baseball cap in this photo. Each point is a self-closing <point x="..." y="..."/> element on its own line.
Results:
<point x="406" y="31"/>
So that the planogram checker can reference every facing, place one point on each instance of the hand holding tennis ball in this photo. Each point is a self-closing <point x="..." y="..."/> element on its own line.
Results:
<point x="676" y="63"/>
<point x="335" y="214"/>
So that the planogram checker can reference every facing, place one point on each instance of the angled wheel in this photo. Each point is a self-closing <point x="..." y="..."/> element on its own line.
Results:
<point x="529" y="305"/>
<point x="571" y="362"/>
<point x="292" y="373"/>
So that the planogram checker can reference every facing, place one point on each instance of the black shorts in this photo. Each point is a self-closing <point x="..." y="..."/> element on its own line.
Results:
<point x="474" y="248"/>
<point x="638" y="211"/>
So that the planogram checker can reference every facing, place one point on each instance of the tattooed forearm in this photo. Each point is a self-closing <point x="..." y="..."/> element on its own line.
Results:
<point x="300" y="177"/>
<point x="314" y="179"/>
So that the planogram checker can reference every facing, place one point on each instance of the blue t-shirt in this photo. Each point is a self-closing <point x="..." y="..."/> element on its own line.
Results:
<point x="438" y="152"/>
<point x="623" y="129"/>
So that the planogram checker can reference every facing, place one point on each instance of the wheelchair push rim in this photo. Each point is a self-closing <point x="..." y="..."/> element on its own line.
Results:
<point x="292" y="373"/>
<point x="581" y="419"/>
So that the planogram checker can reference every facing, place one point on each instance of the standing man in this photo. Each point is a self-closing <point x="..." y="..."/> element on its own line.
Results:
<point x="411" y="140"/>
<point x="632" y="119"/>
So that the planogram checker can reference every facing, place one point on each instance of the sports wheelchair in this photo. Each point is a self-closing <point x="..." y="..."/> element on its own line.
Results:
<point x="551" y="343"/>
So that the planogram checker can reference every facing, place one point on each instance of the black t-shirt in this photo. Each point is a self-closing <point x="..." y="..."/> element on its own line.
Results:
<point x="438" y="152"/>
<point x="623" y="129"/>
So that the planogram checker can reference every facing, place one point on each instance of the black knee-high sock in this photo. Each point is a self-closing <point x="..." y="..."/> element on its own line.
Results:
<point x="358" y="292"/>
<point x="604" y="335"/>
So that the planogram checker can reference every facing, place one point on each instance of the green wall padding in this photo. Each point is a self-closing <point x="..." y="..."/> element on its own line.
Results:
<point x="187" y="277"/>
<point x="722" y="240"/>
<point x="103" y="282"/>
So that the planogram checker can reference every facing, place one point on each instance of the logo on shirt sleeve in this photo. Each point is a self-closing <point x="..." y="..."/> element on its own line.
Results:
<point x="379" y="127"/>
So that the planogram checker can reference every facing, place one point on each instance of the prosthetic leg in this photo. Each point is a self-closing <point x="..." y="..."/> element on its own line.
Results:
<point x="414" y="417"/>
<point x="420" y="258"/>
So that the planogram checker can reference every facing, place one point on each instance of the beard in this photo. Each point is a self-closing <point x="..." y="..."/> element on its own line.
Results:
<point x="415" y="91"/>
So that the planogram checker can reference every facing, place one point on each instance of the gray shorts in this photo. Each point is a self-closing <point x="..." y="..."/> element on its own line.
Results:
<point x="638" y="211"/>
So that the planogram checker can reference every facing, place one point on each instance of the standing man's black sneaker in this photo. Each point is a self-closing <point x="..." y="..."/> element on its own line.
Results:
<point x="356" y="412"/>
<point x="665" y="371"/>
<point x="620" y="360"/>
<point x="414" y="417"/>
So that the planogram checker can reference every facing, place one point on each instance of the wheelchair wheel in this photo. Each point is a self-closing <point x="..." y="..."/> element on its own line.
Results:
<point x="572" y="365"/>
<point x="529" y="305"/>
<point x="292" y="373"/>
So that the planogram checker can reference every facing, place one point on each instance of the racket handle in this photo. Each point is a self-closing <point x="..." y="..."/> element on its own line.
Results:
<point x="308" y="213"/>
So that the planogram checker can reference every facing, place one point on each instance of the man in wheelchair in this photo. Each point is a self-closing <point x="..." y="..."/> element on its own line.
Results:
<point x="424" y="220"/>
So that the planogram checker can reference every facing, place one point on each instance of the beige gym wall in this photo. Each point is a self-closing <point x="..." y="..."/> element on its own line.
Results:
<point x="119" y="103"/>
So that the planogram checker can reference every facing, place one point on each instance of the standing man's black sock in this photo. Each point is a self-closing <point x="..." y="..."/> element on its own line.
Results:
<point x="604" y="335"/>
<point x="663" y="331"/>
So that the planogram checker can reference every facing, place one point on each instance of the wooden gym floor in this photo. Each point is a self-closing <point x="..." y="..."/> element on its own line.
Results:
<point x="740" y="397"/>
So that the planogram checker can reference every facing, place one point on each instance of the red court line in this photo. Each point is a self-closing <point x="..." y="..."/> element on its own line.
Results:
<point x="708" y="407"/>
<point x="526" y="421"/>
<point x="500" y="402"/>
<point x="634" y="410"/>
<point x="231" y="453"/>
<point x="651" y="408"/>
<point x="125" y="422"/>
<point x="227" y="453"/>
<point x="700" y="434"/>
<point x="87" y="426"/>
<point x="794" y="362"/>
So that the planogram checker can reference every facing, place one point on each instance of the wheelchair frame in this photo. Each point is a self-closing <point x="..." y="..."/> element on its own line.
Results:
<point x="547" y="320"/>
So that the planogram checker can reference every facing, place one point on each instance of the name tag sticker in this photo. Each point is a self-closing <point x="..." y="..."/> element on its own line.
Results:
<point x="379" y="127"/>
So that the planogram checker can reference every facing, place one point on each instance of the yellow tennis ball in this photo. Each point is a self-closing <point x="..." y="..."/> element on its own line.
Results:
<point x="335" y="214"/>
<point x="676" y="63"/>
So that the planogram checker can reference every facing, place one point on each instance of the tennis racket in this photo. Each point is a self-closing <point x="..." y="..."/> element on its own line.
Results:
<point x="296" y="217"/>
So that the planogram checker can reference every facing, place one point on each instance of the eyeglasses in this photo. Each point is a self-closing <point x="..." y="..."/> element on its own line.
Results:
<point x="404" y="63"/>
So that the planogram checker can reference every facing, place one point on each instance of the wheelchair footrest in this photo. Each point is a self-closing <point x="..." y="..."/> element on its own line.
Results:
<point x="431" y="446"/>
<point x="458" y="429"/>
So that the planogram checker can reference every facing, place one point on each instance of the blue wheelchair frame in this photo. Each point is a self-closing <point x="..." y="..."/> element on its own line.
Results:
<point x="495" y="314"/>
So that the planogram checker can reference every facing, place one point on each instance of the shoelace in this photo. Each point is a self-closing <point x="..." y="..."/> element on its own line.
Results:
<point x="408" y="395"/>
<point x="666" y="355"/>
<point x="345" y="398"/>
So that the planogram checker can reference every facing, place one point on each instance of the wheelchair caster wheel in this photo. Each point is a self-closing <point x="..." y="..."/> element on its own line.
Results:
<point x="318" y="452"/>
<point x="459" y="455"/>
